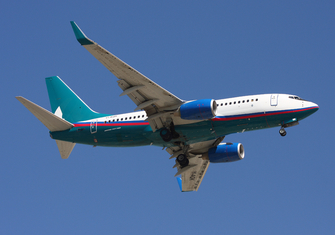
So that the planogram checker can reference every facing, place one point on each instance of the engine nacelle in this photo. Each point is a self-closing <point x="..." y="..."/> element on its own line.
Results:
<point x="198" y="110"/>
<point x="226" y="152"/>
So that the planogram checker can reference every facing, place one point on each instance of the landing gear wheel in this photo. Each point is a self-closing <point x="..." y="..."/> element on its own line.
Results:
<point x="166" y="135"/>
<point x="182" y="160"/>
<point x="282" y="132"/>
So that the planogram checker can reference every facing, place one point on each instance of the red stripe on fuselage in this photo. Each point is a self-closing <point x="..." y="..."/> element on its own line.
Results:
<point x="261" y="114"/>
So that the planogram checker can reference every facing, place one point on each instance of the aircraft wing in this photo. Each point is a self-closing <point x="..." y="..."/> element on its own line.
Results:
<point x="190" y="177"/>
<point x="146" y="94"/>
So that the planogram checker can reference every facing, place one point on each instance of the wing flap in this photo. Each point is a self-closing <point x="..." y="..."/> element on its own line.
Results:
<point x="192" y="178"/>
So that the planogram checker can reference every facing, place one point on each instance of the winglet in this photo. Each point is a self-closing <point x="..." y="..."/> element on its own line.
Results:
<point x="180" y="183"/>
<point x="81" y="37"/>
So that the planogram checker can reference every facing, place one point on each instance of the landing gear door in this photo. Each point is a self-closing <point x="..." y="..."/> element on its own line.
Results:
<point x="274" y="100"/>
<point x="94" y="127"/>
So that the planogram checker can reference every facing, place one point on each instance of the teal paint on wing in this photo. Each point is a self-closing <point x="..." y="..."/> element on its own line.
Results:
<point x="81" y="37"/>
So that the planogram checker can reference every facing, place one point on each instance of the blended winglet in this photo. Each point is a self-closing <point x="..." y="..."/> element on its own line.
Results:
<point x="81" y="37"/>
<point x="180" y="183"/>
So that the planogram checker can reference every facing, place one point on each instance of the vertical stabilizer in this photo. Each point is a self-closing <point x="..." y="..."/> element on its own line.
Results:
<point x="66" y="104"/>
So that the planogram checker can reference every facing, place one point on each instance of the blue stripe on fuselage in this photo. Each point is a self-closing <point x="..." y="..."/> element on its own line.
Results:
<point x="137" y="133"/>
<point x="260" y="114"/>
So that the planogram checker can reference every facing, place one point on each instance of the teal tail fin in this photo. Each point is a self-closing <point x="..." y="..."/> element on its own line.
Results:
<point x="66" y="104"/>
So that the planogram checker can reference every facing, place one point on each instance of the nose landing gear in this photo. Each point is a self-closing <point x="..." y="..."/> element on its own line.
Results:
<point x="282" y="131"/>
<point x="289" y="123"/>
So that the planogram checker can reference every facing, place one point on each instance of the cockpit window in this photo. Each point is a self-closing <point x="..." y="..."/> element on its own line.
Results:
<point x="295" y="97"/>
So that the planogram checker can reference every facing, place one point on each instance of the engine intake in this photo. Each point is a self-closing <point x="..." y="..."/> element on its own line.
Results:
<point x="226" y="152"/>
<point x="198" y="110"/>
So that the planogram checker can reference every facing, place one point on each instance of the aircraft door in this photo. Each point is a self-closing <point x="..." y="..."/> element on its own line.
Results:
<point x="274" y="100"/>
<point x="94" y="127"/>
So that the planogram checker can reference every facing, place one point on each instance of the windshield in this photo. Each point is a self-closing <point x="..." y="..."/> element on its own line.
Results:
<point x="295" y="97"/>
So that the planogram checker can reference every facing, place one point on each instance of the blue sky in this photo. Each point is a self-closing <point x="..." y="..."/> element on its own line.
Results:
<point x="194" y="49"/>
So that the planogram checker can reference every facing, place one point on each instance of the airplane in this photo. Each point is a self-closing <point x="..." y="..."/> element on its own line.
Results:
<point x="191" y="131"/>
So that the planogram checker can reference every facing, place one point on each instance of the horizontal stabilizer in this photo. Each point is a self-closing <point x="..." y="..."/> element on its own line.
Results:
<point x="50" y="120"/>
<point x="65" y="148"/>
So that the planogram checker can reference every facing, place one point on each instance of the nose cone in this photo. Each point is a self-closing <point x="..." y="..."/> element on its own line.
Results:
<point x="312" y="107"/>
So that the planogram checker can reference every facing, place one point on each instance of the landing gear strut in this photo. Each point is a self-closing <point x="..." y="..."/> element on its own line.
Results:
<point x="182" y="160"/>
<point x="282" y="131"/>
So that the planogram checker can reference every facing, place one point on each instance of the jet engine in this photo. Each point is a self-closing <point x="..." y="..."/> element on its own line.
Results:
<point x="225" y="152"/>
<point x="198" y="110"/>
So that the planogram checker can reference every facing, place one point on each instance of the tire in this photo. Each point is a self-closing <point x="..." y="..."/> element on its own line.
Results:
<point x="282" y="132"/>
<point x="182" y="160"/>
<point x="166" y="135"/>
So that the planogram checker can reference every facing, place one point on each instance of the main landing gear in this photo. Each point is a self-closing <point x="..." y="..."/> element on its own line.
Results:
<point x="282" y="131"/>
<point x="167" y="134"/>
<point x="182" y="160"/>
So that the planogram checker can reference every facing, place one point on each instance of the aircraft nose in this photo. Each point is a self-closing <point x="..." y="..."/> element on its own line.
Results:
<point x="313" y="106"/>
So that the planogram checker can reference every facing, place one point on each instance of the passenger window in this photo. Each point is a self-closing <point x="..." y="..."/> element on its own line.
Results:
<point x="134" y="117"/>
<point x="229" y="103"/>
<point x="256" y="99"/>
<point x="239" y="101"/>
<point x="225" y="103"/>
<point x="113" y="120"/>
<point x="139" y="116"/>
<point x="117" y="120"/>
<point x="252" y="100"/>
<point x="247" y="101"/>
<point x="129" y="118"/>
<point x="234" y="102"/>
<point x="125" y="119"/>
<point x="243" y="101"/>
<point x="221" y="104"/>
<point x="142" y="115"/>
